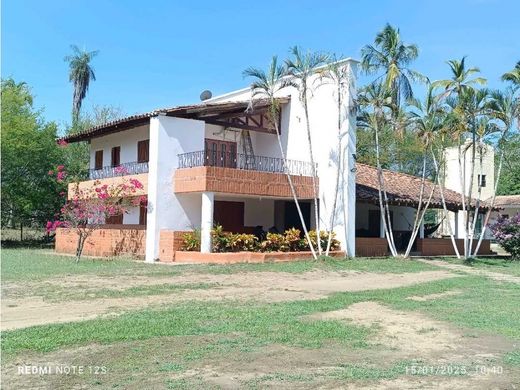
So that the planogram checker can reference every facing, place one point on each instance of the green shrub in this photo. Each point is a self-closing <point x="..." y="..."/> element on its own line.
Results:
<point x="220" y="239"/>
<point x="324" y="236"/>
<point x="191" y="241"/>
<point x="274" y="242"/>
<point x="242" y="242"/>
<point x="293" y="240"/>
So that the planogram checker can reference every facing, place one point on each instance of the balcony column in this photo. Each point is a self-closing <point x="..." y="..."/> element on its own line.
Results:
<point x="206" y="223"/>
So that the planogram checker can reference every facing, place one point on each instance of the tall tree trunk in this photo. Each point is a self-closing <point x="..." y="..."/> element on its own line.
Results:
<point x="477" y="205"/>
<point x="490" y="210"/>
<point x="293" y="191"/>
<point x="462" y="172"/>
<point x="314" y="174"/>
<point x="445" y="208"/>
<point x="417" y="220"/>
<point x="383" y="207"/>
<point x="469" y="229"/>
<point x="338" y="171"/>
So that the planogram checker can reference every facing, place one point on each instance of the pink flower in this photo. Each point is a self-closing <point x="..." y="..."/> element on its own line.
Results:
<point x="60" y="168"/>
<point x="50" y="173"/>
<point x="62" y="193"/>
<point x="120" y="170"/>
<point x="62" y="143"/>
<point x="60" y="176"/>
<point x="136" y="183"/>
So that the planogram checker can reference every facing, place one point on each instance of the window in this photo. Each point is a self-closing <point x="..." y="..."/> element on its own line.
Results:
<point x="482" y="180"/>
<point x="116" y="156"/>
<point x="98" y="161"/>
<point x="143" y="151"/>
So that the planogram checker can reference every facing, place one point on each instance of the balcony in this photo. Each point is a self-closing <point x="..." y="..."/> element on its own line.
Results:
<point x="130" y="168"/>
<point x="234" y="173"/>
<point x="241" y="161"/>
<point x="114" y="176"/>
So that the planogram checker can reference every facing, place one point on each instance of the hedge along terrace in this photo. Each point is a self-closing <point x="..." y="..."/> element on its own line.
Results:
<point x="289" y="241"/>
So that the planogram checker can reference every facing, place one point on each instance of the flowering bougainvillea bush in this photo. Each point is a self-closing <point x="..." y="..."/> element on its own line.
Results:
<point x="507" y="234"/>
<point x="88" y="208"/>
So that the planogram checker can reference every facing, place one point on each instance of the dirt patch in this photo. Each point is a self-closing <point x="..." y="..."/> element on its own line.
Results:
<point x="431" y="297"/>
<point x="257" y="286"/>
<point x="474" y="271"/>
<point x="412" y="334"/>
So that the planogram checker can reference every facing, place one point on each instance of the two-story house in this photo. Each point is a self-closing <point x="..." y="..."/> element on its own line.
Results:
<point x="219" y="161"/>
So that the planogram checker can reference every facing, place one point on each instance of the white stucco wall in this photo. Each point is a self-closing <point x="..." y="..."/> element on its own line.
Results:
<point x="169" y="137"/>
<point x="127" y="140"/>
<point x="454" y="172"/>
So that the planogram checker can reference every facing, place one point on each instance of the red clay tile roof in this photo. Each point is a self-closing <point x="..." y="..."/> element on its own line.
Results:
<point x="507" y="201"/>
<point x="402" y="189"/>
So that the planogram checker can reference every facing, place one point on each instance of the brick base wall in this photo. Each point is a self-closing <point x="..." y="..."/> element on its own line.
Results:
<point x="169" y="242"/>
<point x="245" y="257"/>
<point x="443" y="246"/>
<point x="104" y="242"/>
<point x="371" y="247"/>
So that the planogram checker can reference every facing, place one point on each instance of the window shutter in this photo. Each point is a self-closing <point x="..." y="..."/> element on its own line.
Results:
<point x="143" y="151"/>
<point x="98" y="161"/>
<point x="116" y="154"/>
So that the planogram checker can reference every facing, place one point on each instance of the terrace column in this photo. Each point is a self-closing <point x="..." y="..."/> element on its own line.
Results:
<point x="206" y="223"/>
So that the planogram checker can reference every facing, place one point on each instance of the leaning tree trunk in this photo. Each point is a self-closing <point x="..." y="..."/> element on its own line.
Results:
<point x="383" y="207"/>
<point x="314" y="173"/>
<point x="445" y="208"/>
<point x="417" y="220"/>
<point x="469" y="229"/>
<point x="462" y="173"/>
<point x="477" y="206"/>
<point x="488" y="214"/>
<point x="338" y="171"/>
<point x="293" y="191"/>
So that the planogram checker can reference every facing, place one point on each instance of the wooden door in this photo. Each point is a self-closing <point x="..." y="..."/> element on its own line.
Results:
<point x="220" y="153"/>
<point x="230" y="215"/>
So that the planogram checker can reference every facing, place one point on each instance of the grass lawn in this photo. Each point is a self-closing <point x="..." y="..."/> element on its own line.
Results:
<point x="196" y="344"/>
<point x="27" y="264"/>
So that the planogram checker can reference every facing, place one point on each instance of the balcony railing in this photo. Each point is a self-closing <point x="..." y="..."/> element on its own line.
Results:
<point x="241" y="161"/>
<point x="131" y="168"/>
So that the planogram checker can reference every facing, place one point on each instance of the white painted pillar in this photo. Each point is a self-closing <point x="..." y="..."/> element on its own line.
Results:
<point x="460" y="224"/>
<point x="206" y="223"/>
<point x="421" y="229"/>
<point x="455" y="225"/>
<point x="152" y="219"/>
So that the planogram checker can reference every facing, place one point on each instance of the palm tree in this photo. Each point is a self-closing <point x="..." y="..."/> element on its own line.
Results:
<point x="513" y="76"/>
<point x="460" y="78"/>
<point x="504" y="109"/>
<point x="467" y="105"/>
<point x="392" y="56"/>
<point x="302" y="67"/>
<point x="266" y="85"/>
<point x="427" y="121"/>
<point x="81" y="74"/>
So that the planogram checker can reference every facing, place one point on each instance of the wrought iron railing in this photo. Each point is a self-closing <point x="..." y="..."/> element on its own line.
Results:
<point x="241" y="161"/>
<point x="131" y="168"/>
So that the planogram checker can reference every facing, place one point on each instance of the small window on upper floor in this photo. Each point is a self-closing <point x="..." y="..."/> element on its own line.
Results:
<point x="482" y="180"/>
<point x="143" y="151"/>
<point x="116" y="156"/>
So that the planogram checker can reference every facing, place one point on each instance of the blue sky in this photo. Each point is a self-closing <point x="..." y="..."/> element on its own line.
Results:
<point x="164" y="53"/>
